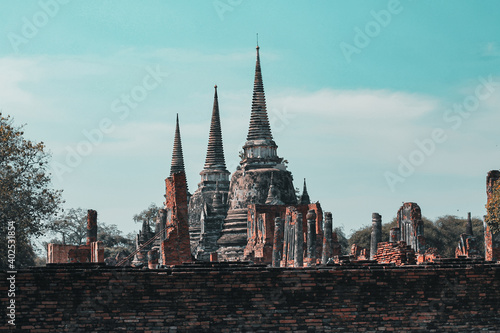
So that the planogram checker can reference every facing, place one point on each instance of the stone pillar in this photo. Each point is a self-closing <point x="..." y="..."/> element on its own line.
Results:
<point x="394" y="235"/>
<point x="376" y="234"/>
<point x="311" y="238"/>
<point x="277" y="242"/>
<point x="153" y="257"/>
<point x="468" y="227"/>
<point x="97" y="252"/>
<point x="299" y="242"/>
<point x="91" y="226"/>
<point x="327" y="239"/>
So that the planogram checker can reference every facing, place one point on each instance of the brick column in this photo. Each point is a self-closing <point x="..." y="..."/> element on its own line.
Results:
<point x="376" y="236"/>
<point x="91" y="226"/>
<point x="327" y="239"/>
<point x="311" y="238"/>
<point x="299" y="242"/>
<point x="277" y="241"/>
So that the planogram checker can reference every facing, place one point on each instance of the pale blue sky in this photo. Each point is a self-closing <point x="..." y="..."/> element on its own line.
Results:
<point x="346" y="120"/>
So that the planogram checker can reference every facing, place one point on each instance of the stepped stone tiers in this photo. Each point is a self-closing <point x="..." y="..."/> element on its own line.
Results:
<point x="259" y="168"/>
<point x="177" y="164"/>
<point x="205" y="220"/>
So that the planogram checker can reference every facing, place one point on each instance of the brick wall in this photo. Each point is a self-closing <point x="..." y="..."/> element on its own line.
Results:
<point x="176" y="248"/>
<point x="460" y="297"/>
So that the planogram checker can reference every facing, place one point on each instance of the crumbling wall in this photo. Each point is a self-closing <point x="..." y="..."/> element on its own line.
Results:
<point x="398" y="253"/>
<point x="92" y="251"/>
<point x="225" y="298"/>
<point x="411" y="226"/>
<point x="259" y="246"/>
<point x="175" y="247"/>
<point x="491" y="240"/>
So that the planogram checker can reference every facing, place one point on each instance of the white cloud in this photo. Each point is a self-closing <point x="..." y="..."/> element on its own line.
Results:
<point x="357" y="104"/>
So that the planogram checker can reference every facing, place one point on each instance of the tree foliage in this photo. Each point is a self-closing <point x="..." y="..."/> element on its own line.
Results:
<point x="445" y="232"/>
<point x="493" y="208"/>
<point x="71" y="225"/>
<point x="71" y="228"/>
<point x="149" y="214"/>
<point x="26" y="196"/>
<point x="344" y="243"/>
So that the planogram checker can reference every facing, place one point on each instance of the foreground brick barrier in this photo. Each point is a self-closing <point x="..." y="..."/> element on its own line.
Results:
<point x="453" y="296"/>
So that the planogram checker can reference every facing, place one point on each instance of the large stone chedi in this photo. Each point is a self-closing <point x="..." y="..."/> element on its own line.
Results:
<point x="207" y="207"/>
<point x="260" y="167"/>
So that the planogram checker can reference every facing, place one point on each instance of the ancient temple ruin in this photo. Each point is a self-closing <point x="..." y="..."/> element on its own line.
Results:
<point x="90" y="252"/>
<point x="257" y="216"/>
<point x="491" y="240"/>
<point x="208" y="204"/>
<point x="251" y="181"/>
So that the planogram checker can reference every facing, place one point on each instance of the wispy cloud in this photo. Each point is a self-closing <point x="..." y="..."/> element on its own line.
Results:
<point x="491" y="49"/>
<point x="355" y="104"/>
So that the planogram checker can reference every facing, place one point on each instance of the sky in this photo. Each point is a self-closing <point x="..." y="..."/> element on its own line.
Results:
<point x="375" y="103"/>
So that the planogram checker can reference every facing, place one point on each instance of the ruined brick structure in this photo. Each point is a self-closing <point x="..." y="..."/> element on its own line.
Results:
<point x="359" y="253"/>
<point x="467" y="245"/>
<point x="398" y="253"/>
<point x="376" y="235"/>
<point x="331" y="245"/>
<point x="169" y="244"/>
<point x="262" y="235"/>
<point x="442" y="297"/>
<point x="92" y="251"/>
<point x="208" y="204"/>
<point x="144" y="235"/>
<point x="175" y="244"/>
<point x="295" y="235"/>
<point x="251" y="181"/>
<point x="411" y="226"/>
<point x="491" y="240"/>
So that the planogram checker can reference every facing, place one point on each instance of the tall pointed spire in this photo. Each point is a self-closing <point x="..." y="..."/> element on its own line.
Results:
<point x="177" y="157"/>
<point x="259" y="128"/>
<point x="304" y="198"/>
<point x="215" y="151"/>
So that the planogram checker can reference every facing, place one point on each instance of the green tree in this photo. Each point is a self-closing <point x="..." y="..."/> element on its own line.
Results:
<point x="443" y="234"/>
<point x="344" y="243"/>
<point x="493" y="208"/>
<point x="71" y="225"/>
<point x="27" y="200"/>
<point x="113" y="240"/>
<point x="71" y="228"/>
<point x="363" y="236"/>
<point x="149" y="214"/>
